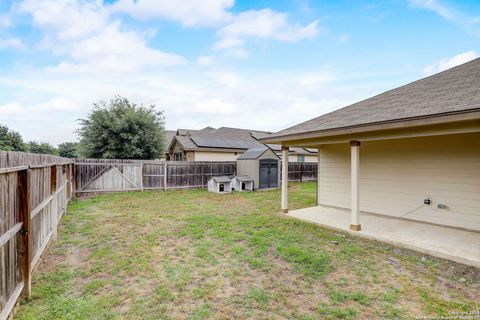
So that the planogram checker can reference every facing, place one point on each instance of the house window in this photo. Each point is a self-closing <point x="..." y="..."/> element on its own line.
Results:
<point x="301" y="158"/>
<point x="178" y="156"/>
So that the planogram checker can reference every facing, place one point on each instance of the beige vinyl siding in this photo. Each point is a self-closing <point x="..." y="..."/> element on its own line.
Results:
<point x="294" y="158"/>
<point x="216" y="156"/>
<point x="396" y="175"/>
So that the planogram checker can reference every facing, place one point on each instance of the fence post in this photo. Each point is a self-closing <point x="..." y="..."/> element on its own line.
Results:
<point x="54" y="203"/>
<point x="165" y="176"/>
<point x="202" y="169"/>
<point x="23" y="192"/>
<point x="141" y="176"/>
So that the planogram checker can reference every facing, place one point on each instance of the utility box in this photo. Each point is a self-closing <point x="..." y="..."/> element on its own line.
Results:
<point x="261" y="164"/>
<point x="221" y="184"/>
<point x="243" y="183"/>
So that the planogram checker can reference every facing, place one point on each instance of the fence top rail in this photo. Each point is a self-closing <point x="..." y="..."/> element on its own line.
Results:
<point x="106" y="164"/>
<point x="102" y="162"/>
<point x="13" y="169"/>
<point x="15" y="159"/>
<point x="33" y="166"/>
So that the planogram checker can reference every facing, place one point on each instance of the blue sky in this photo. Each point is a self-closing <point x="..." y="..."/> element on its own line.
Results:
<point x="253" y="64"/>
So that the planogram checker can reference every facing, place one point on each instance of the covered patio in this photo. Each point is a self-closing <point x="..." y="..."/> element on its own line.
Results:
<point x="444" y="242"/>
<point x="401" y="167"/>
<point x="407" y="213"/>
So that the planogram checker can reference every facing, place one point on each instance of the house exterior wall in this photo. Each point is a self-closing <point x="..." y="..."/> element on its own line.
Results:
<point x="177" y="150"/>
<point x="216" y="156"/>
<point x="397" y="175"/>
<point x="308" y="158"/>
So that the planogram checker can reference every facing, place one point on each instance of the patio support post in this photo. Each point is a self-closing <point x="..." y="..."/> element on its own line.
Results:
<point x="284" y="208"/>
<point x="317" y="195"/>
<point x="355" y="192"/>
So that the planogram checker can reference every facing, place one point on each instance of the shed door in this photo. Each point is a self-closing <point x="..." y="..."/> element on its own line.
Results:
<point x="268" y="173"/>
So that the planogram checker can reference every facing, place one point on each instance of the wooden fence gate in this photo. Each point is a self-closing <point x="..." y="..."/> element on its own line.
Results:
<point x="105" y="176"/>
<point x="98" y="175"/>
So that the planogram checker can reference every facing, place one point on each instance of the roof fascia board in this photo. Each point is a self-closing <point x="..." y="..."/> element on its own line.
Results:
<point x="407" y="132"/>
<point x="406" y="123"/>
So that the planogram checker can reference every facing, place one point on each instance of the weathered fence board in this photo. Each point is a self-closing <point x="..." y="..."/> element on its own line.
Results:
<point x="34" y="192"/>
<point x="302" y="171"/>
<point x="129" y="175"/>
<point x="107" y="175"/>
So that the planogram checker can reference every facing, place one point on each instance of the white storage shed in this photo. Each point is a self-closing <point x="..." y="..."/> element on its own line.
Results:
<point x="263" y="165"/>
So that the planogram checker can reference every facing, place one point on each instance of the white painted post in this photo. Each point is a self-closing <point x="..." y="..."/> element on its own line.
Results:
<point x="318" y="177"/>
<point x="284" y="208"/>
<point x="355" y="192"/>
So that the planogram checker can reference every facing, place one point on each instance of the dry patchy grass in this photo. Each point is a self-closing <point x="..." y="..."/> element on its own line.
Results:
<point x="196" y="255"/>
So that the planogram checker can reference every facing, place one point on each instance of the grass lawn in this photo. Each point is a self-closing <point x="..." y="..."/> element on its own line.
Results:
<point x="197" y="255"/>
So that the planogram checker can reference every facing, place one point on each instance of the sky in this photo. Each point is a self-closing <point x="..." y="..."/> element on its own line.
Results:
<point x="263" y="64"/>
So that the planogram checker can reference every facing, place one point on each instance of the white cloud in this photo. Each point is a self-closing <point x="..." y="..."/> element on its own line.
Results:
<point x="5" y="22"/>
<point x="106" y="58"/>
<point x="266" y="23"/>
<point x="447" y="63"/>
<point x="228" y="43"/>
<point x="469" y="23"/>
<point x="11" y="43"/>
<point x="216" y="106"/>
<point x="84" y="33"/>
<point x="187" y="12"/>
<point x="205" y="60"/>
<point x="11" y="109"/>
<point x="68" y="19"/>
<point x="434" y="6"/>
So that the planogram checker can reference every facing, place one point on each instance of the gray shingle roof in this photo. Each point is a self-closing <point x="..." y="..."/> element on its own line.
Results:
<point x="169" y="134"/>
<point x="450" y="91"/>
<point x="224" y="138"/>
<point x="244" y="178"/>
<point x="251" y="154"/>
<point x="222" y="179"/>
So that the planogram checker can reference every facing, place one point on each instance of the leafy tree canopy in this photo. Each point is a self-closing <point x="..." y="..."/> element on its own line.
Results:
<point x="11" y="140"/>
<point x="68" y="150"/>
<point x="120" y="129"/>
<point x="41" y="147"/>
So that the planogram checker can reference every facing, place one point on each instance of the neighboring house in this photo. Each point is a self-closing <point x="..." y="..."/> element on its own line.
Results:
<point x="411" y="153"/>
<point x="225" y="144"/>
<point x="169" y="134"/>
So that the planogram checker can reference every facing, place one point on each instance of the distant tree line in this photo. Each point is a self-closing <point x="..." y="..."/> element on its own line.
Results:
<point x="12" y="141"/>
<point x="118" y="129"/>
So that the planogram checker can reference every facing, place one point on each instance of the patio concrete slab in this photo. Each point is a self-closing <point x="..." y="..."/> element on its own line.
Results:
<point x="449" y="243"/>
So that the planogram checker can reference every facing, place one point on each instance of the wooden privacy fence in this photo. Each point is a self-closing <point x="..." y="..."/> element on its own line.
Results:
<point x="34" y="192"/>
<point x="93" y="175"/>
<point x="108" y="175"/>
<point x="302" y="171"/>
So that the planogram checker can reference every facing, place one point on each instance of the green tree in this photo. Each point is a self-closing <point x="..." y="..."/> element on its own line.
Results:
<point x="41" y="147"/>
<point x="120" y="129"/>
<point x="68" y="150"/>
<point x="11" y="140"/>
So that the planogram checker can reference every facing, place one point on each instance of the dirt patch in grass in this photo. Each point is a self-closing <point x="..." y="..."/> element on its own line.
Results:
<point x="196" y="255"/>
